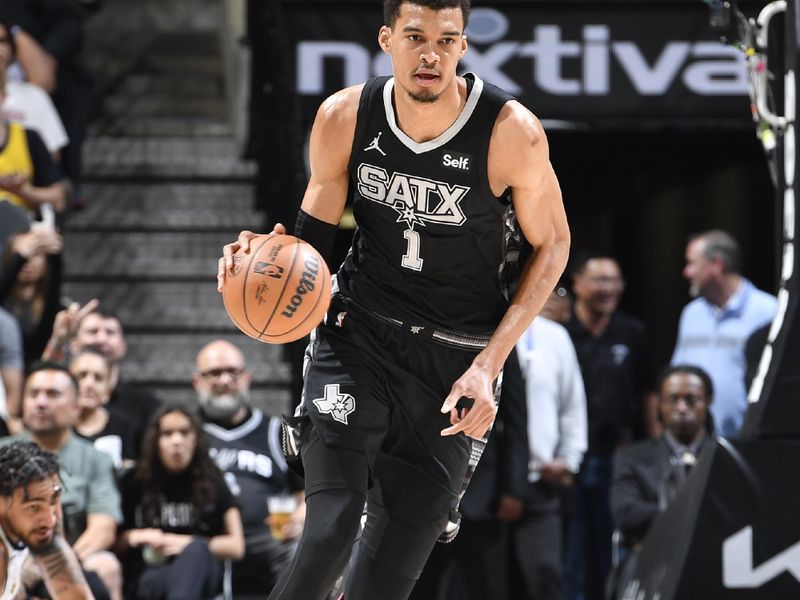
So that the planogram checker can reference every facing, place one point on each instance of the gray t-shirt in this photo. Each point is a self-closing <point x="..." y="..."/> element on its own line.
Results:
<point x="10" y="350"/>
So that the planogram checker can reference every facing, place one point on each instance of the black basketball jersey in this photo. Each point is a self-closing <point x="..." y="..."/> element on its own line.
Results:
<point x="252" y="462"/>
<point x="431" y="234"/>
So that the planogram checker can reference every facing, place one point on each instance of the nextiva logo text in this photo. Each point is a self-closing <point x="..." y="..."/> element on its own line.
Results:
<point x="703" y="67"/>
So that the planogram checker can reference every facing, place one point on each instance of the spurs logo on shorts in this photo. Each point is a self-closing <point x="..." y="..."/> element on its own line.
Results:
<point x="335" y="403"/>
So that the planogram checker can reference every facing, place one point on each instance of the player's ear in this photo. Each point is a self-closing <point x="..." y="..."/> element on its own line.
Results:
<point x="464" y="46"/>
<point x="384" y="38"/>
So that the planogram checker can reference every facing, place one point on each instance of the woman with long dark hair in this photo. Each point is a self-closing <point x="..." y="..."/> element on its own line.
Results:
<point x="180" y="520"/>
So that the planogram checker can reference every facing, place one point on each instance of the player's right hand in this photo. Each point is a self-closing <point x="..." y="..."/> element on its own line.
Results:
<point x="242" y="243"/>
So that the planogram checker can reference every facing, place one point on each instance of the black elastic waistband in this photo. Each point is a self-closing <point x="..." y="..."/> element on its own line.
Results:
<point x="445" y="337"/>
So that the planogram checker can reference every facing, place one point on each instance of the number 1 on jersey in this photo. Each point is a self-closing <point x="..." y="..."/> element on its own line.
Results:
<point x="411" y="259"/>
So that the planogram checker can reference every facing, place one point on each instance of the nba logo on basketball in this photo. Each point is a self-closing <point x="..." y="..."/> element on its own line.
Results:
<point x="268" y="269"/>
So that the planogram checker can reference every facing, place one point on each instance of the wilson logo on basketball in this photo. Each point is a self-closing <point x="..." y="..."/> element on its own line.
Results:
<point x="268" y="269"/>
<point x="305" y="285"/>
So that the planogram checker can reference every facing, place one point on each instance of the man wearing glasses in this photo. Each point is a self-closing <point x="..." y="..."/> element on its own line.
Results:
<point x="246" y="446"/>
<point x="618" y="369"/>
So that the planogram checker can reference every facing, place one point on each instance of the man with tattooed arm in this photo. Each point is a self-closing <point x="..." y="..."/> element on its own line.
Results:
<point x="30" y="524"/>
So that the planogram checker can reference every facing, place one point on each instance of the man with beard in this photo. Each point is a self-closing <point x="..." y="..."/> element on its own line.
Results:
<point x="715" y="326"/>
<point x="30" y="523"/>
<point x="90" y="500"/>
<point x="246" y="446"/>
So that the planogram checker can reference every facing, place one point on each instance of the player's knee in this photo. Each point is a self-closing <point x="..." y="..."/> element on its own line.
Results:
<point x="333" y="515"/>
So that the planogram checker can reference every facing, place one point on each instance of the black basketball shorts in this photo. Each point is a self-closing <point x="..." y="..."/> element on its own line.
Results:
<point x="376" y="389"/>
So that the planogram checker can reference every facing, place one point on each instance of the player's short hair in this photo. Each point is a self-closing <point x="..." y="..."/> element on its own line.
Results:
<point x="391" y="8"/>
<point x="721" y="244"/>
<point x="50" y="365"/>
<point x="687" y="370"/>
<point x="22" y="462"/>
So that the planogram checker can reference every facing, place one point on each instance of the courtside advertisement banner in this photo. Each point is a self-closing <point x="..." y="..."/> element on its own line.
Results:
<point x="609" y="63"/>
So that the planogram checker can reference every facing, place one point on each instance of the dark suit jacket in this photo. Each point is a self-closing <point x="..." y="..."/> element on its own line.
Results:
<point x="640" y="474"/>
<point x="503" y="469"/>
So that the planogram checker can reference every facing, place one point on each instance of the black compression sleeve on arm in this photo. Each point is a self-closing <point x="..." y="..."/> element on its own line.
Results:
<point x="318" y="233"/>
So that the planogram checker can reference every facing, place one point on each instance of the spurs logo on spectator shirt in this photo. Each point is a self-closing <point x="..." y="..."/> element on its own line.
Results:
<point x="417" y="200"/>
<point x="335" y="403"/>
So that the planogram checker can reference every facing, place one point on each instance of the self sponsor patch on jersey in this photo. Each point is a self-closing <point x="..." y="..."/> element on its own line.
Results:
<point x="456" y="161"/>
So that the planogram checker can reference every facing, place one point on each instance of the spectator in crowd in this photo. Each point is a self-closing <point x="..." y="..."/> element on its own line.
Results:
<point x="618" y="369"/>
<point x="30" y="286"/>
<point x="648" y="474"/>
<point x="181" y="520"/>
<point x="246" y="446"/>
<point x="90" y="500"/>
<point x="557" y="440"/>
<point x="28" y="176"/>
<point x="475" y="564"/>
<point x="714" y="327"/>
<point x="78" y="327"/>
<point x="27" y="103"/>
<point x="108" y="432"/>
<point x="13" y="220"/>
<point x="49" y="36"/>
<point x="30" y="507"/>
<point x="11" y="367"/>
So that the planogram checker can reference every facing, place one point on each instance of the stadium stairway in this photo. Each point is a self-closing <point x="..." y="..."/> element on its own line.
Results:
<point x="165" y="189"/>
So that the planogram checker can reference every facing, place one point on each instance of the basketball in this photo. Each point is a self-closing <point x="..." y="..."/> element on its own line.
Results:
<point x="279" y="291"/>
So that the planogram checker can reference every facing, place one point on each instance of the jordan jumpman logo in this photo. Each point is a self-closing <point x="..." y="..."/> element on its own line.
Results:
<point x="373" y="145"/>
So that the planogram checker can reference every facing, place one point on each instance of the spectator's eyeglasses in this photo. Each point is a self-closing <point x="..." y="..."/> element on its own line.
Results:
<point x="234" y="372"/>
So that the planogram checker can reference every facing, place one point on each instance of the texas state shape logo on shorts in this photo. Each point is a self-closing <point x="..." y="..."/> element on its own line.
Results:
<point x="335" y="403"/>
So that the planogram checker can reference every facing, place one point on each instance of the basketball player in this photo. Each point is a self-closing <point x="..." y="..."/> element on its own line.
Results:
<point x="30" y="515"/>
<point x="443" y="172"/>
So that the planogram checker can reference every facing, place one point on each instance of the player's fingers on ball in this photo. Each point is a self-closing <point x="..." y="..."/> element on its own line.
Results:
<point x="244" y="240"/>
<point x="279" y="228"/>
<point x="220" y="274"/>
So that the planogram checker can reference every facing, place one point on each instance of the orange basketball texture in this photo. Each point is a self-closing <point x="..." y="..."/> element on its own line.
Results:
<point x="279" y="291"/>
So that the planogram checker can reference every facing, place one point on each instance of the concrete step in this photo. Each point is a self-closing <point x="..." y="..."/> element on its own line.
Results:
<point x="159" y="206"/>
<point x="169" y="359"/>
<point x="158" y="306"/>
<point x="164" y="157"/>
<point x="182" y="256"/>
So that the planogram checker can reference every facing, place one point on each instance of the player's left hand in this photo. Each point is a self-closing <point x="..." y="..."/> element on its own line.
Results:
<point x="477" y="385"/>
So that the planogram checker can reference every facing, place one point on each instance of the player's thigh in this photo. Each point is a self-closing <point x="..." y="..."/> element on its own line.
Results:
<point x="343" y="393"/>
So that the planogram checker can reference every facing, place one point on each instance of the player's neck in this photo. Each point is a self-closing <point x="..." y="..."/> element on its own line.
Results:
<point x="424" y="121"/>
